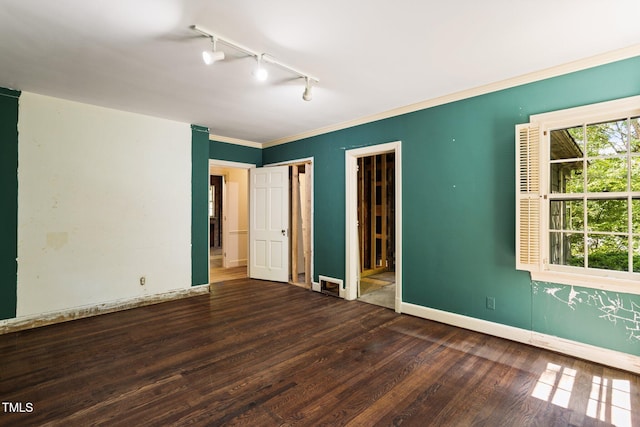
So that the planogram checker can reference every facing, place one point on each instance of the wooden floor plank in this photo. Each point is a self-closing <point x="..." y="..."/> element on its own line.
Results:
<point x="260" y="353"/>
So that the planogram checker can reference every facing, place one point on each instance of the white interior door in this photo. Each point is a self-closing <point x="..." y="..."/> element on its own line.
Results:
<point x="269" y="223"/>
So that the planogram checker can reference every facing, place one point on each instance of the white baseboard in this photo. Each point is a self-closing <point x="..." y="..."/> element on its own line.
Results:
<point x="237" y="263"/>
<point x="613" y="358"/>
<point x="34" y="321"/>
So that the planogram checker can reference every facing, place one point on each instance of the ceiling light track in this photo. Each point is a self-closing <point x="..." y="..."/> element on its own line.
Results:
<point x="214" y="55"/>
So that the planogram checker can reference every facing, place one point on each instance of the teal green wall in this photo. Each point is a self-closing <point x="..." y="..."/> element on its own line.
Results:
<point x="199" y="205"/>
<point x="235" y="153"/>
<point x="459" y="204"/>
<point x="9" y="197"/>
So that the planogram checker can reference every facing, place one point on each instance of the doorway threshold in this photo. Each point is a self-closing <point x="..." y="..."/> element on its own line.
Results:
<point x="384" y="297"/>
<point x="379" y="289"/>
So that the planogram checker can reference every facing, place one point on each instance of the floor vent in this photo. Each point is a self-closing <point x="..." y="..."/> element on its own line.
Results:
<point x="331" y="286"/>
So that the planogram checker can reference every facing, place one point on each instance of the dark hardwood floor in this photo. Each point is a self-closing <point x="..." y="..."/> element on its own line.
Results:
<point x="257" y="353"/>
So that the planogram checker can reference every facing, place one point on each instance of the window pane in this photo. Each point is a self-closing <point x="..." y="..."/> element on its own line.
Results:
<point x="566" y="249"/>
<point x="635" y="211"/>
<point x="566" y="215"/>
<point x="606" y="175"/>
<point x="567" y="177"/>
<point x="607" y="215"/>
<point x="567" y="143"/>
<point x="608" y="252"/>
<point x="607" y="139"/>
<point x="635" y="174"/>
<point x="635" y="134"/>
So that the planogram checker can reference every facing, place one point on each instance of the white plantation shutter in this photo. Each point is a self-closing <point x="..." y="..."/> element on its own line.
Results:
<point x="527" y="197"/>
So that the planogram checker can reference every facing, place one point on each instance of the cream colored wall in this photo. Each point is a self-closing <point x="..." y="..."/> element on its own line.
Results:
<point x="104" y="198"/>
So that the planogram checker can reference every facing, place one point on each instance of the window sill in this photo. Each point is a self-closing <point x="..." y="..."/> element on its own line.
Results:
<point x="605" y="283"/>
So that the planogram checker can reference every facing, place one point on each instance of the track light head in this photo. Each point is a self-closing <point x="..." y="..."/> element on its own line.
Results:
<point x="306" y="95"/>
<point x="260" y="73"/>
<point x="209" y="57"/>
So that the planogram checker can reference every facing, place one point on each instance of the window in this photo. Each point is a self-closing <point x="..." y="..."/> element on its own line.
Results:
<point x="578" y="196"/>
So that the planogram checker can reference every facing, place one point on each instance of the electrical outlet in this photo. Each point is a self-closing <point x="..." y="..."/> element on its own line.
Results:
<point x="143" y="280"/>
<point x="491" y="303"/>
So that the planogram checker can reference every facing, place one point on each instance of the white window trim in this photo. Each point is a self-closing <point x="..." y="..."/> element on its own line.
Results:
<point x="541" y="271"/>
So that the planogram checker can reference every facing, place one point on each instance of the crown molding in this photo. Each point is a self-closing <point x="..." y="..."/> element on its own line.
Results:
<point x="235" y="141"/>
<point x="10" y="93"/>
<point x="570" y="67"/>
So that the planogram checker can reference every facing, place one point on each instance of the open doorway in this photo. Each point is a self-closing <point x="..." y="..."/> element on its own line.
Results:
<point x="281" y="218"/>
<point x="230" y="257"/>
<point x="228" y="220"/>
<point x="373" y="197"/>
<point x="300" y="177"/>
<point x="215" y="220"/>
<point x="376" y="229"/>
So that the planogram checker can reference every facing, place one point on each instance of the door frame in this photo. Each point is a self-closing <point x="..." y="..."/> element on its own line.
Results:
<point x="352" y="269"/>
<point x="231" y="165"/>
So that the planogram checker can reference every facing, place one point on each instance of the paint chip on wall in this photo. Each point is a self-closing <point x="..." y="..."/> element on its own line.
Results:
<point x="611" y="306"/>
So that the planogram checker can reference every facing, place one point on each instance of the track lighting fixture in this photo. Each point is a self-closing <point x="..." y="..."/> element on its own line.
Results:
<point x="260" y="73"/>
<point x="209" y="57"/>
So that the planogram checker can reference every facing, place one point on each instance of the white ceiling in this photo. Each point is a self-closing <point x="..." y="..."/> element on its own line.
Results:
<point x="371" y="56"/>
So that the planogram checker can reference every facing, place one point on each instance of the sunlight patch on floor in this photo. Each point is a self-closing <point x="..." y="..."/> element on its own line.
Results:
<point x="609" y="400"/>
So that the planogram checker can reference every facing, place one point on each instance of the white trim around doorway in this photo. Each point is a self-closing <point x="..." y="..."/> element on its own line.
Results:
<point x="230" y="165"/>
<point x="352" y="268"/>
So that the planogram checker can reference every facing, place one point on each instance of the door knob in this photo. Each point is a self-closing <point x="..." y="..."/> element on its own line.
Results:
<point x="284" y="232"/>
